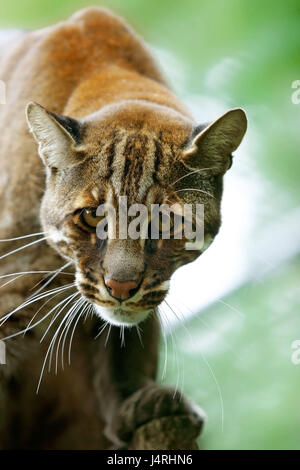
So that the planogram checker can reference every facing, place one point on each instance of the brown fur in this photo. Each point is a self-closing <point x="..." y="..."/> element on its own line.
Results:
<point x="129" y="135"/>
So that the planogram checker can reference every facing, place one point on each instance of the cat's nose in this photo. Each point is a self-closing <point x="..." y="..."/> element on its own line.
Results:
<point x="121" y="290"/>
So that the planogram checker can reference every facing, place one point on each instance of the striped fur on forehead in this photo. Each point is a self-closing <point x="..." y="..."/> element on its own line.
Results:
<point x="133" y="165"/>
<point x="134" y="146"/>
<point x="130" y="162"/>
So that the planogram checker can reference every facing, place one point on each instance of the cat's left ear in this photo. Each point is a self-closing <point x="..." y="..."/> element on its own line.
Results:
<point x="58" y="136"/>
<point x="212" y="147"/>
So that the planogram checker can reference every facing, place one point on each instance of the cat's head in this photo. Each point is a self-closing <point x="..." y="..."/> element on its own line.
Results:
<point x="150" y="154"/>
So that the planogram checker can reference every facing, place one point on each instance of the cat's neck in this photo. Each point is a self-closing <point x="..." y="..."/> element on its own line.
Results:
<point x="115" y="84"/>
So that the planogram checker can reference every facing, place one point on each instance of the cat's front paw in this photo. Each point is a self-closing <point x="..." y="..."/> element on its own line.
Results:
<point x="161" y="407"/>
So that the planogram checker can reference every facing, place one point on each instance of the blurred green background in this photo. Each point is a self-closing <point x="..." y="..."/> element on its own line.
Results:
<point x="232" y="356"/>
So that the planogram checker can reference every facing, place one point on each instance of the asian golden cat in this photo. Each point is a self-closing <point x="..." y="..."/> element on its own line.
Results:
<point x="105" y="124"/>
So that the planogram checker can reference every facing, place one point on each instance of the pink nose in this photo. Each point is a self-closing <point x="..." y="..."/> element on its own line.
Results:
<point x="120" y="290"/>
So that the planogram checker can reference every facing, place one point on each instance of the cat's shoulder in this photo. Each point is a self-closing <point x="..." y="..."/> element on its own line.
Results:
<point x="93" y="35"/>
<point x="92" y="24"/>
<point x="96" y="16"/>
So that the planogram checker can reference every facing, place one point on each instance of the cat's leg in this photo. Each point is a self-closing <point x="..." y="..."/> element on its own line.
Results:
<point x="62" y="414"/>
<point x="128" y="396"/>
<point x="12" y="404"/>
<point x="22" y="324"/>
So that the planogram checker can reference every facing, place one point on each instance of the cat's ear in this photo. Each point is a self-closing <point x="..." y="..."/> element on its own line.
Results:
<point x="212" y="147"/>
<point x="58" y="136"/>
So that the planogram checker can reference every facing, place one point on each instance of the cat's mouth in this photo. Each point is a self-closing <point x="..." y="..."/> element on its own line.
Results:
<point x="127" y="312"/>
<point x="121" y="316"/>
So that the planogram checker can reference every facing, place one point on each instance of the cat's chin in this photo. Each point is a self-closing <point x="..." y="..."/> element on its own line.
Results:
<point x="121" y="317"/>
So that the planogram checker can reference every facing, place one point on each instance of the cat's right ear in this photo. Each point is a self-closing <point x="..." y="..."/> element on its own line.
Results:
<point x="57" y="136"/>
<point x="213" y="146"/>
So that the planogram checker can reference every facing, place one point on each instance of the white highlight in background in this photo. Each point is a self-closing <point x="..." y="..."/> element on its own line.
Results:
<point x="2" y="92"/>
<point x="2" y="353"/>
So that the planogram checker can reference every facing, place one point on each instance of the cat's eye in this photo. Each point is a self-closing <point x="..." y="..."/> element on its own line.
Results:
<point x="90" y="218"/>
<point x="163" y="223"/>
<point x="166" y="225"/>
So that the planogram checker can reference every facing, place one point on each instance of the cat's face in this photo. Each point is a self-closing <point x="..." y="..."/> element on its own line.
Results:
<point x="150" y="155"/>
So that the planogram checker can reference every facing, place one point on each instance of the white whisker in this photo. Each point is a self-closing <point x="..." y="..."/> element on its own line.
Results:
<point x="37" y="312"/>
<point x="50" y="349"/>
<point x="10" y="281"/>
<point x="89" y="311"/>
<point x="28" y="328"/>
<point x="195" y="189"/>
<point x="101" y="330"/>
<point x="34" y="299"/>
<point x="87" y="307"/>
<point x="122" y="336"/>
<point x="179" y="368"/>
<point x="191" y="173"/>
<point x="242" y="315"/>
<point x="23" y="247"/>
<point x="107" y="336"/>
<point x="65" y="302"/>
<point x="23" y="236"/>
<point x="23" y="273"/>
<point x="213" y="375"/>
<point x="139" y="330"/>
<point x="55" y="273"/>
<point x="160" y="314"/>
<point x="65" y="334"/>
<point x="72" y="313"/>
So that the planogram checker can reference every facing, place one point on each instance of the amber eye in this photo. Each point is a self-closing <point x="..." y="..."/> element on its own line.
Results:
<point x="90" y="219"/>
<point x="160" y="224"/>
<point x="166" y="224"/>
